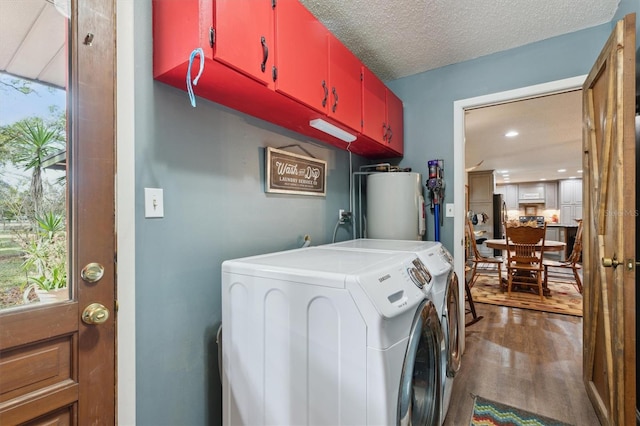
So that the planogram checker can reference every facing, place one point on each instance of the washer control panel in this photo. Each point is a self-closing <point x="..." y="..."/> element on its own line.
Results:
<point x="398" y="286"/>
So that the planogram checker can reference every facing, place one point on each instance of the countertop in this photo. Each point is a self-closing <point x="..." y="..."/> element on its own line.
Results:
<point x="561" y="225"/>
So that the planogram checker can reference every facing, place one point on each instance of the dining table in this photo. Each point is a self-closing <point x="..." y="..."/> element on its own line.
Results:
<point x="549" y="245"/>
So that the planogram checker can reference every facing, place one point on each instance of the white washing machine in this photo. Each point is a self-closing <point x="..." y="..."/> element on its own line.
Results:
<point x="321" y="336"/>
<point x="443" y="290"/>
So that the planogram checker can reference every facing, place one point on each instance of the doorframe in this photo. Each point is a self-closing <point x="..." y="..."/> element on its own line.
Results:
<point x="125" y="214"/>
<point x="459" y="180"/>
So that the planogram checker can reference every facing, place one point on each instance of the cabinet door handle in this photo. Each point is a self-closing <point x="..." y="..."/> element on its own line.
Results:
<point x="326" y="93"/>
<point x="390" y="133"/>
<point x="335" y="103"/>
<point x="384" y="131"/>
<point x="265" y="53"/>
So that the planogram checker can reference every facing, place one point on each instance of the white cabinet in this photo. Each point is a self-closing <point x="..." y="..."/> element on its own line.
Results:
<point x="570" y="200"/>
<point x="481" y="189"/>
<point x="531" y="193"/>
<point x="551" y="195"/>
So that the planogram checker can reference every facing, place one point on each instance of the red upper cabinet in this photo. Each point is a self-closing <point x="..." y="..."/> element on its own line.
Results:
<point x="302" y="62"/>
<point x="382" y="113"/>
<point x="395" y="123"/>
<point x="345" y="94"/>
<point x="242" y="36"/>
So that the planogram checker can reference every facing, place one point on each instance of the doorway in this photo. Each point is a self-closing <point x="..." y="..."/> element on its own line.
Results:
<point x="460" y="107"/>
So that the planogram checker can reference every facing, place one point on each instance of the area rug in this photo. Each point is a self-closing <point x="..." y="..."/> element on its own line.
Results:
<point x="491" y="413"/>
<point x="565" y="299"/>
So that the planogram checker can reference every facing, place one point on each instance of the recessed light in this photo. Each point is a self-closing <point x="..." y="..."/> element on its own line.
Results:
<point x="562" y="170"/>
<point x="543" y="178"/>
<point x="506" y="175"/>
<point x="511" y="134"/>
<point x="572" y="177"/>
<point x="503" y="171"/>
<point x="579" y="171"/>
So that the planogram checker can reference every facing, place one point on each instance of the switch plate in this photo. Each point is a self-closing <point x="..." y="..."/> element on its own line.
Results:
<point x="449" y="212"/>
<point x="153" y="202"/>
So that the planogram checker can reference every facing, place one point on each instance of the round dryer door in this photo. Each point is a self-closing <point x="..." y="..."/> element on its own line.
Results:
<point x="419" y="399"/>
<point x="452" y="318"/>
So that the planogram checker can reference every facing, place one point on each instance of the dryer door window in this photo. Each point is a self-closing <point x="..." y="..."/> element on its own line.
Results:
<point x="419" y="398"/>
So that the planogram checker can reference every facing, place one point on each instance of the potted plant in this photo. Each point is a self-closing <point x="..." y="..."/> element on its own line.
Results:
<point x="45" y="260"/>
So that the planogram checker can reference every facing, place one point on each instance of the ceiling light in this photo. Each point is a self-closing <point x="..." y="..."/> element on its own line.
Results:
<point x="562" y="170"/>
<point x="506" y="175"/>
<point x="543" y="178"/>
<point x="332" y="130"/>
<point x="511" y="134"/>
<point x="572" y="177"/>
<point x="503" y="171"/>
<point x="579" y="171"/>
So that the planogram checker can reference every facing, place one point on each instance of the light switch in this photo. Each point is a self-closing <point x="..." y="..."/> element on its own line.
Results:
<point x="153" y="202"/>
<point x="449" y="208"/>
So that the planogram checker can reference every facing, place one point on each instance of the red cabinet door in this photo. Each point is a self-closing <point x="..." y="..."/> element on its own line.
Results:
<point x="345" y="95"/>
<point x="374" y="116"/>
<point x="301" y="55"/>
<point x="243" y="37"/>
<point x="395" y="123"/>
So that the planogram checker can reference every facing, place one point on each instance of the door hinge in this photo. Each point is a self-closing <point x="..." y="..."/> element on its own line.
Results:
<point x="361" y="76"/>
<point x="116" y="305"/>
<point x="274" y="73"/>
<point x="273" y="4"/>
<point x="212" y="36"/>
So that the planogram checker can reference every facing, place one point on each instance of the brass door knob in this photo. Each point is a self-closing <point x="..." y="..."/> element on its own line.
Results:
<point x="92" y="273"/>
<point x="95" y="313"/>
<point x="608" y="262"/>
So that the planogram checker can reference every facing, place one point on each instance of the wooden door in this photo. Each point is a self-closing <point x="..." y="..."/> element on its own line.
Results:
<point x="54" y="368"/>
<point x="609" y="229"/>
<point x="244" y="37"/>
<point x="302" y="55"/>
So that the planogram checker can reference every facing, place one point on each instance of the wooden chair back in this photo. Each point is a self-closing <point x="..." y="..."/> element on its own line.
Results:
<point x="525" y="245"/>
<point x="576" y="252"/>
<point x="472" y="238"/>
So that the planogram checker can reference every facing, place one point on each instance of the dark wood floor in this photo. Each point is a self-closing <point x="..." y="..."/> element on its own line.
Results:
<point x="526" y="359"/>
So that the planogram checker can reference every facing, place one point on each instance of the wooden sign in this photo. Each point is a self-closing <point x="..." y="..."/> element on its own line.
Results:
<point x="289" y="173"/>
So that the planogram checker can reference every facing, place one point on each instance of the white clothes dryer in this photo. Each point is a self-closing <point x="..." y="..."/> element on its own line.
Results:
<point x="327" y="337"/>
<point x="443" y="290"/>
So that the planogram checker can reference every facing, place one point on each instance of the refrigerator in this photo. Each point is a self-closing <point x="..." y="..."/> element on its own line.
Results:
<point x="498" y="216"/>
<point x="395" y="206"/>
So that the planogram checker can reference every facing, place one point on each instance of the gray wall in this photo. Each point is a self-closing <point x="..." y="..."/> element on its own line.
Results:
<point x="428" y="97"/>
<point x="209" y="161"/>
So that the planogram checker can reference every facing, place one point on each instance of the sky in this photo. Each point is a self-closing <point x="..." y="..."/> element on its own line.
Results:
<point x="15" y="106"/>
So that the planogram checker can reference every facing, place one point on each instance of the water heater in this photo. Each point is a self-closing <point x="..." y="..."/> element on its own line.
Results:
<point x="395" y="206"/>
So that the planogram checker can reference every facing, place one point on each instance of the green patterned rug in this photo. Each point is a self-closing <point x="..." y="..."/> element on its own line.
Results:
<point x="490" y="413"/>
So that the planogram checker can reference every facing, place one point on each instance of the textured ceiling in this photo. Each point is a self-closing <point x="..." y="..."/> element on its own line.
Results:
<point x="549" y="139"/>
<point x="404" y="37"/>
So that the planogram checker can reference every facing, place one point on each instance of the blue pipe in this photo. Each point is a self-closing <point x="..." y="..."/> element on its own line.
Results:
<point x="436" y="218"/>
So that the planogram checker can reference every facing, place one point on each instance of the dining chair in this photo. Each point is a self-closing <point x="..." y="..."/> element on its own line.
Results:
<point x="573" y="263"/>
<point x="525" y="248"/>
<point x="482" y="265"/>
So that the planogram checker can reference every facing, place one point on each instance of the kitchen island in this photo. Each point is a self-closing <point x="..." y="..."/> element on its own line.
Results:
<point x="565" y="232"/>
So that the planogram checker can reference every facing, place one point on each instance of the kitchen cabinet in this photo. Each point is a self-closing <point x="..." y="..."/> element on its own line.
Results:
<point x="345" y="93"/>
<point x="481" y="190"/>
<point x="382" y="113"/>
<point x="273" y="61"/>
<point x="302" y="60"/>
<point x="242" y="36"/>
<point x="570" y="200"/>
<point x="551" y="195"/>
<point x="509" y="195"/>
<point x="531" y="193"/>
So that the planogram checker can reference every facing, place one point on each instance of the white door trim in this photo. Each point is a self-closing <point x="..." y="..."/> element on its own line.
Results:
<point x="125" y="215"/>
<point x="459" y="178"/>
